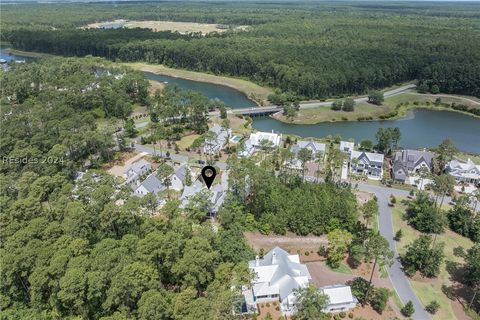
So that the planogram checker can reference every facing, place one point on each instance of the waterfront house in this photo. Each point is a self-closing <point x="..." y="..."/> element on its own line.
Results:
<point x="464" y="171"/>
<point x="340" y="298"/>
<point x="220" y="136"/>
<point x="317" y="149"/>
<point x="370" y="164"/>
<point x="407" y="163"/>
<point x="276" y="277"/>
<point x="347" y="146"/>
<point x="259" y="140"/>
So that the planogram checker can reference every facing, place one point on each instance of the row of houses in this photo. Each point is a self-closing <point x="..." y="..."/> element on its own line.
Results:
<point x="278" y="276"/>
<point x="143" y="180"/>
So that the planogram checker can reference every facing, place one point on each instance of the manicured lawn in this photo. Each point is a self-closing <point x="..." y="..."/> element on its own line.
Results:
<point x="430" y="289"/>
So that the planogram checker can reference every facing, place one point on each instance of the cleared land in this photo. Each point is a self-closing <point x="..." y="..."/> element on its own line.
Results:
<point x="409" y="100"/>
<point x="252" y="90"/>
<point x="431" y="289"/>
<point x="181" y="27"/>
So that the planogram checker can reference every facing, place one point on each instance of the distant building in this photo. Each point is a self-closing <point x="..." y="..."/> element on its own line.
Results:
<point x="370" y="164"/>
<point x="256" y="141"/>
<point x="407" y="163"/>
<point x="346" y="146"/>
<point x="340" y="298"/>
<point x="464" y="171"/>
<point x="136" y="170"/>
<point x="220" y="138"/>
<point x="277" y="276"/>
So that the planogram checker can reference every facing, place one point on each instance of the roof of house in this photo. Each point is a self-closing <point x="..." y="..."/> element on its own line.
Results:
<point x="372" y="157"/>
<point x="257" y="137"/>
<point x="346" y="145"/>
<point x="312" y="145"/>
<point x="409" y="159"/>
<point x="278" y="273"/>
<point x="180" y="172"/>
<point x="219" y="139"/>
<point x="216" y="199"/>
<point x="138" y="166"/>
<point x="463" y="165"/>
<point x="338" y="294"/>
<point x="152" y="184"/>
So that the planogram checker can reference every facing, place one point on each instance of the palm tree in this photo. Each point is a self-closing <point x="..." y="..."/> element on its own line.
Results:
<point x="304" y="155"/>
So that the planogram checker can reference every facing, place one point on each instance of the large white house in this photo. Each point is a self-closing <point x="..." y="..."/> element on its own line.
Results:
<point x="464" y="171"/>
<point x="340" y="298"/>
<point x="370" y="164"/>
<point x="220" y="136"/>
<point x="277" y="276"/>
<point x="257" y="140"/>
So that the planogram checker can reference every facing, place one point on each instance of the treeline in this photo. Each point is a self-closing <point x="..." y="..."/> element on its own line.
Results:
<point x="285" y="203"/>
<point x="311" y="55"/>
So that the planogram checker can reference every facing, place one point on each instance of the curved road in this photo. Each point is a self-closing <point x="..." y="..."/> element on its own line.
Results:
<point x="397" y="277"/>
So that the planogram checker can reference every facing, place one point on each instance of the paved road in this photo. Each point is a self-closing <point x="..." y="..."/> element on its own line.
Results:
<point x="395" y="272"/>
<point x="307" y="105"/>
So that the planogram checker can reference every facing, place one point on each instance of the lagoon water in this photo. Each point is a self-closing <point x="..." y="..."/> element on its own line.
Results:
<point x="231" y="97"/>
<point x="11" y="57"/>
<point x="423" y="128"/>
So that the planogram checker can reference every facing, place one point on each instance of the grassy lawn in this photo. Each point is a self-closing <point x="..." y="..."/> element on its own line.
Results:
<point x="366" y="110"/>
<point x="252" y="90"/>
<point x="187" y="141"/>
<point x="430" y="289"/>
<point x="343" y="268"/>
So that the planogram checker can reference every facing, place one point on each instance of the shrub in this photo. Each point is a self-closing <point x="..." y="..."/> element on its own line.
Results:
<point x="398" y="235"/>
<point x="322" y="250"/>
<point x="350" y="315"/>
<point x="268" y="305"/>
<point x="307" y="253"/>
<point x="342" y="314"/>
<point x="379" y="299"/>
<point x="432" y="307"/>
<point x="408" y="309"/>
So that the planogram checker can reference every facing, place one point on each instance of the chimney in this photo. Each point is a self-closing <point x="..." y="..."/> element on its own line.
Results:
<point x="257" y="261"/>
<point x="274" y="258"/>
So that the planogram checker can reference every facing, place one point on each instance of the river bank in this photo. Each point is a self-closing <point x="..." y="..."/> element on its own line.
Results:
<point x="394" y="108"/>
<point x="254" y="92"/>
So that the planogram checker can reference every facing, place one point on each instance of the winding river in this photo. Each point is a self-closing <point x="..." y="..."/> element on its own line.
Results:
<point x="423" y="128"/>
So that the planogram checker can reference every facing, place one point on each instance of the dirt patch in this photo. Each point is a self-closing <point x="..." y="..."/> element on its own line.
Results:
<point x="363" y="197"/>
<point x="367" y="312"/>
<point x="289" y="242"/>
<point x="154" y="86"/>
<point x="127" y="159"/>
<point x="266" y="308"/>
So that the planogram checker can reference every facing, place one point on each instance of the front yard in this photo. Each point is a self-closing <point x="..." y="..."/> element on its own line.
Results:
<point x="431" y="289"/>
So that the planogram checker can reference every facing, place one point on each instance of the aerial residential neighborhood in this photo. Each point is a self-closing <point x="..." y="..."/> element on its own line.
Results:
<point x="239" y="160"/>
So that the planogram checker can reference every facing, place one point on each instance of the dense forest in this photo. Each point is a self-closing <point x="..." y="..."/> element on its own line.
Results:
<point x="314" y="50"/>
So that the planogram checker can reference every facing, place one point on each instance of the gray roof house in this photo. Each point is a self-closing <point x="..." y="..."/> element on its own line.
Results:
<point x="150" y="185"/>
<point x="318" y="149"/>
<point x="217" y="196"/>
<point x="136" y="170"/>
<point x="220" y="138"/>
<point x="367" y="163"/>
<point x="407" y="162"/>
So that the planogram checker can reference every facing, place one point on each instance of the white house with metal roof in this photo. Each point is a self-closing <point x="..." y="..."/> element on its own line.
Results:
<point x="276" y="277"/>
<point x="340" y="298"/>
<point x="257" y="140"/>
<point x="370" y="164"/>
<point x="317" y="149"/>
<point x="150" y="185"/>
<point x="464" y="171"/>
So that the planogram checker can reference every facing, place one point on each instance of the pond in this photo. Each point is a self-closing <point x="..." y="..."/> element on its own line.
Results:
<point x="11" y="57"/>
<point x="423" y="128"/>
<point x="231" y="97"/>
